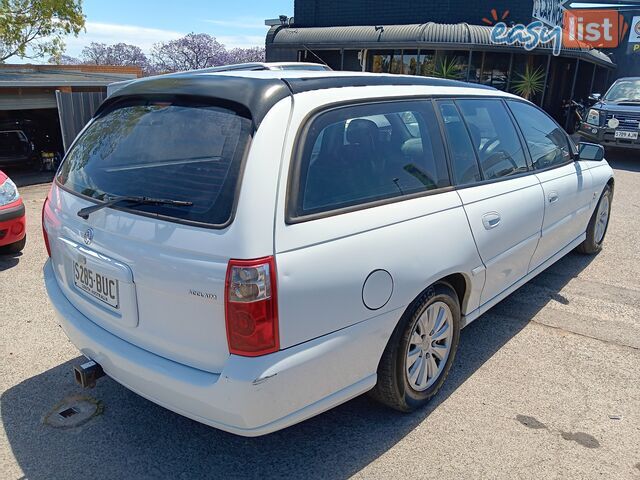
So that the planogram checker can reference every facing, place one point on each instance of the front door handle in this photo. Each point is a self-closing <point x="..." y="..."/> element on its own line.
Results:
<point x="491" y="220"/>
<point x="553" y="197"/>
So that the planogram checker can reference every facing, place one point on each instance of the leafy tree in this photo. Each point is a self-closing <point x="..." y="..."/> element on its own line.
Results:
<point x="191" y="52"/>
<point x="65" y="60"/>
<point x="36" y="28"/>
<point x="246" y="55"/>
<point x="121" y="54"/>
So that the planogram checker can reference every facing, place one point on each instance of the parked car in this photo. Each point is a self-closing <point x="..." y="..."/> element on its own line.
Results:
<point x="13" y="236"/>
<point x="16" y="149"/>
<point x="614" y="119"/>
<point x="318" y="236"/>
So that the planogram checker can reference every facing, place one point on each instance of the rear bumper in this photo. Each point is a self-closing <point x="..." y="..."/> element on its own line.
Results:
<point x="606" y="137"/>
<point x="12" y="225"/>
<point x="251" y="396"/>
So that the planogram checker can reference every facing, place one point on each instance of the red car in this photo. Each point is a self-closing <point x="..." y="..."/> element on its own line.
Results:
<point x="13" y="235"/>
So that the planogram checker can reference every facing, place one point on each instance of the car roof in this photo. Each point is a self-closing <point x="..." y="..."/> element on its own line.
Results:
<point x="258" y="91"/>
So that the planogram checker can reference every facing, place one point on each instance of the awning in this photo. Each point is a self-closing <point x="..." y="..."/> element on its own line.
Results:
<point x="426" y="35"/>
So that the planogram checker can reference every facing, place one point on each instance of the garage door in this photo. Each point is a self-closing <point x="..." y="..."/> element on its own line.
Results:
<point x="27" y="101"/>
<point x="75" y="110"/>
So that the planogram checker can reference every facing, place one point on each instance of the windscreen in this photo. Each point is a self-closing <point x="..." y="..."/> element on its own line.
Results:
<point x="624" y="91"/>
<point x="174" y="149"/>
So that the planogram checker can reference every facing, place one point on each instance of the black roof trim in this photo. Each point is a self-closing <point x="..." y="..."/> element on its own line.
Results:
<point x="299" y="85"/>
<point x="257" y="95"/>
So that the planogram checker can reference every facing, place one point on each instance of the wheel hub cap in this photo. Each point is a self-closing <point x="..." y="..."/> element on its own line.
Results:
<point x="429" y="346"/>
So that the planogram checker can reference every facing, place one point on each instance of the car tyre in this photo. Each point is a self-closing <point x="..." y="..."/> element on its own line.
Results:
<point x="402" y="384"/>
<point x="13" y="248"/>
<point x="598" y="225"/>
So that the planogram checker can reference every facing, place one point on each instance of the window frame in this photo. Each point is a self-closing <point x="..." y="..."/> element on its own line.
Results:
<point x="570" y="143"/>
<point x="293" y="188"/>
<point x="484" y="181"/>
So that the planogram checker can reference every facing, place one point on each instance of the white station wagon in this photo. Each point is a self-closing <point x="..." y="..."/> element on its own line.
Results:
<point x="250" y="249"/>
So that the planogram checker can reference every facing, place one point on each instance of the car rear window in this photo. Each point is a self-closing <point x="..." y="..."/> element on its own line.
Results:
<point x="169" y="148"/>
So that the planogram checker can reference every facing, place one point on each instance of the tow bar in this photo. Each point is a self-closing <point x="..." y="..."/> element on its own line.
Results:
<point x="87" y="374"/>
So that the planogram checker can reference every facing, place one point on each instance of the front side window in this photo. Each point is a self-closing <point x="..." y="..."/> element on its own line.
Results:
<point x="494" y="137"/>
<point x="547" y="142"/>
<point x="173" y="148"/>
<point x="361" y="154"/>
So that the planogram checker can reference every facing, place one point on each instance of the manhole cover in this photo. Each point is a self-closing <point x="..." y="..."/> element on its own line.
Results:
<point x="73" y="412"/>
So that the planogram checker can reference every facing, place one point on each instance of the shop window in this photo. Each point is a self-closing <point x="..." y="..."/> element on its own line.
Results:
<point x="452" y="64"/>
<point x="495" y="71"/>
<point x="427" y="63"/>
<point x="381" y="61"/>
<point x="475" y="67"/>
<point x="410" y="62"/>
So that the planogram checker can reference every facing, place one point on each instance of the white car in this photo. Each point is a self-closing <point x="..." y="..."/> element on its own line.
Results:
<point x="250" y="249"/>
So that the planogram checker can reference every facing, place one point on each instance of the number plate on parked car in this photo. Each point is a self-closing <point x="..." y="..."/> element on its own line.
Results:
<point x="98" y="285"/>
<point x="626" y="134"/>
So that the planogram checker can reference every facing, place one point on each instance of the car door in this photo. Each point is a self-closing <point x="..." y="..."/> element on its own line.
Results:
<point x="504" y="203"/>
<point x="369" y="218"/>
<point x="565" y="182"/>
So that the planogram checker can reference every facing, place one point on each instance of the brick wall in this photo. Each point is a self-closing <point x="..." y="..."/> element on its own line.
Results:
<point x="137" y="71"/>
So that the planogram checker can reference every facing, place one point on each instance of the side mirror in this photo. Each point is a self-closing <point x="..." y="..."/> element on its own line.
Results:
<point x="595" y="97"/>
<point x="590" y="152"/>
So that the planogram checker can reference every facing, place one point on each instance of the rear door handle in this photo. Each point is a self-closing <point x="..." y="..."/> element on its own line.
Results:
<point x="553" y="197"/>
<point x="491" y="220"/>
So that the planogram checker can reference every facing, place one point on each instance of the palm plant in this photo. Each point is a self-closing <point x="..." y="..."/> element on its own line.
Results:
<point x="530" y="83"/>
<point x="448" y="68"/>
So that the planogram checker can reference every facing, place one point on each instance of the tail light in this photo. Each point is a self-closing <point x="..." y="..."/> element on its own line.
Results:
<point x="251" y="307"/>
<point x="44" y="230"/>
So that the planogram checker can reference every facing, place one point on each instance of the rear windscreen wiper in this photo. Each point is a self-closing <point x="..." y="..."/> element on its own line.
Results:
<point x="85" y="212"/>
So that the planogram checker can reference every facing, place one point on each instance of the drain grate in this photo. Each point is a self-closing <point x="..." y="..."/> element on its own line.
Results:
<point x="73" y="412"/>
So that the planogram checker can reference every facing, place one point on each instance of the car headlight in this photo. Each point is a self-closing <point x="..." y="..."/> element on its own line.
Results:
<point x="8" y="192"/>
<point x="593" y="118"/>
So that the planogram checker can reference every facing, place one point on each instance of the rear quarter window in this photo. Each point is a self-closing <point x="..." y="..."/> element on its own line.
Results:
<point x="171" y="148"/>
<point x="363" y="154"/>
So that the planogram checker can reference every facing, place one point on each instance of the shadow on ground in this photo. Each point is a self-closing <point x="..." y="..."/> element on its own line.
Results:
<point x="9" y="261"/>
<point x="134" y="438"/>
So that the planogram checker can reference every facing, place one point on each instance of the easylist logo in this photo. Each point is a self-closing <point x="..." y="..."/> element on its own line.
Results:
<point x="595" y="28"/>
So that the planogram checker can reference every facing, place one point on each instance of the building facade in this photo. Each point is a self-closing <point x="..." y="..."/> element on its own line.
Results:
<point x="448" y="38"/>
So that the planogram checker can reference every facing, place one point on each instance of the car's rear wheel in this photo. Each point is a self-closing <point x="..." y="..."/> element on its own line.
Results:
<point x="15" y="247"/>
<point x="419" y="354"/>
<point x="598" y="225"/>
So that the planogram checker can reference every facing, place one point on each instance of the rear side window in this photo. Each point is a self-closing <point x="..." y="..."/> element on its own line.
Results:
<point x="463" y="156"/>
<point x="174" y="148"/>
<point x="366" y="153"/>
<point x="494" y="137"/>
<point x="547" y="142"/>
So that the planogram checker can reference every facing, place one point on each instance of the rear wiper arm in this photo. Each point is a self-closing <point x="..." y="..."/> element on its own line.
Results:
<point x="85" y="212"/>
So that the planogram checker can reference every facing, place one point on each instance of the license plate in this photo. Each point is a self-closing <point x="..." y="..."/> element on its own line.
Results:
<point x="626" y="134"/>
<point x="98" y="285"/>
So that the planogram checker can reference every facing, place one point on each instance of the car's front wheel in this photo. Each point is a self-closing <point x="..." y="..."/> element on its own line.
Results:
<point x="419" y="354"/>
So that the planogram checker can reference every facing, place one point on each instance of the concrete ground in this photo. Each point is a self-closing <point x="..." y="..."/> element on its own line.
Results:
<point x="545" y="385"/>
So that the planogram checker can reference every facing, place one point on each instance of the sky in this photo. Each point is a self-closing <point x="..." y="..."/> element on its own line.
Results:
<point x="238" y="23"/>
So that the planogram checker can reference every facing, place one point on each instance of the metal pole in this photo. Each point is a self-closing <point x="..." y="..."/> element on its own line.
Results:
<point x="509" y="72"/>
<point x="573" y="88"/>
<point x="342" y="59"/>
<point x="593" y="78"/>
<point x="469" y="65"/>
<point x="546" y="78"/>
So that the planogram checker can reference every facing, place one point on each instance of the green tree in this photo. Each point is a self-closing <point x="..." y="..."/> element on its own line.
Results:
<point x="36" y="28"/>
